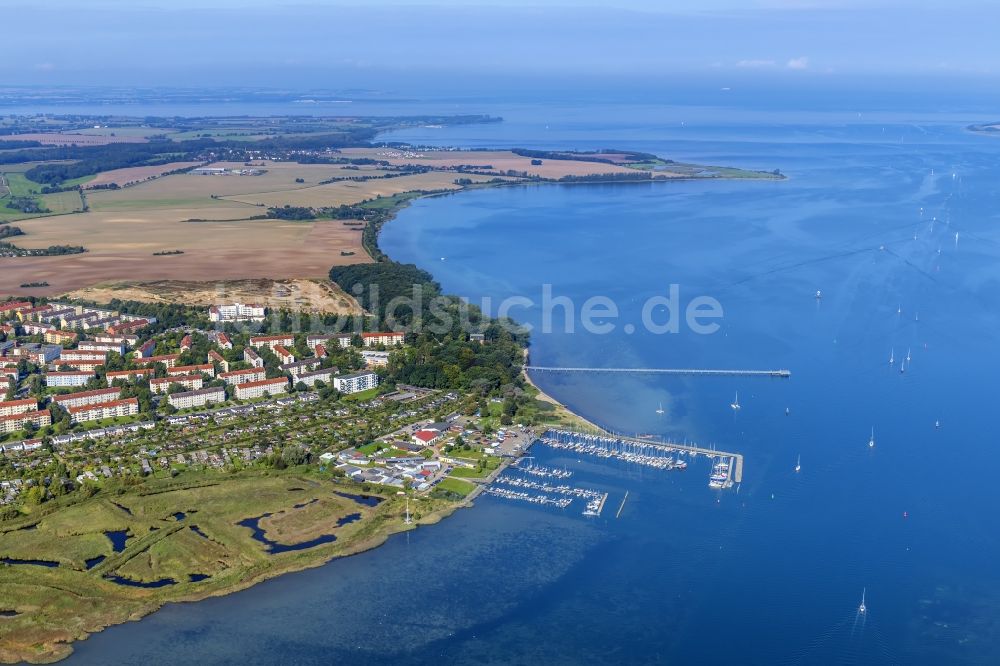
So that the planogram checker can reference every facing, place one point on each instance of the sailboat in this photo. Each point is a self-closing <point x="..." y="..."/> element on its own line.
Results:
<point x="899" y="310"/>
<point x="902" y="366"/>
<point x="659" y="410"/>
<point x="819" y="294"/>
<point x="871" y="442"/>
<point x="735" y="404"/>
<point x="907" y="354"/>
<point x="863" y="608"/>
<point x="892" y="356"/>
<point x="798" y="463"/>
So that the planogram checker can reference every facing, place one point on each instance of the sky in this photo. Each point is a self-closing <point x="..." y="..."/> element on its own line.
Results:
<point x="404" y="44"/>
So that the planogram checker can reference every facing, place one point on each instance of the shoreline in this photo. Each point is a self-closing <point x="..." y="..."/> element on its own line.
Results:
<point x="61" y="646"/>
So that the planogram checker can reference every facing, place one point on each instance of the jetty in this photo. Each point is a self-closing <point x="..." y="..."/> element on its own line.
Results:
<point x="781" y="374"/>
<point x="727" y="469"/>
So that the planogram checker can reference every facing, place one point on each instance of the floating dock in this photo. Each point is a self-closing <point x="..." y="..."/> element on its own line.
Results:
<point x="644" y="451"/>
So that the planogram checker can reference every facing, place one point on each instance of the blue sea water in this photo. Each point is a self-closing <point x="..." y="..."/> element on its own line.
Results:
<point x="772" y="574"/>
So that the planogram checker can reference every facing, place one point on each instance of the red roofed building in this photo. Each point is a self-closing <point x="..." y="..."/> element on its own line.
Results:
<point x="169" y="360"/>
<point x="223" y="341"/>
<point x="11" y="407"/>
<point x="20" y="421"/>
<point x="12" y="307"/>
<point x="283" y="354"/>
<point x="261" y="388"/>
<point x="83" y="398"/>
<point x="425" y="437"/>
<point x="243" y="376"/>
<point x="216" y="357"/>
<point x="127" y="327"/>
<point x="104" y="410"/>
<point x="52" y="336"/>
<point x="321" y="351"/>
<point x="253" y="358"/>
<point x="186" y="343"/>
<point x="272" y="341"/>
<point x="203" y="368"/>
<point x="128" y="375"/>
<point x="190" y="382"/>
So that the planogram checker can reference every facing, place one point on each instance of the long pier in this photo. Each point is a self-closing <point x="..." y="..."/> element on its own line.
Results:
<point x="782" y="374"/>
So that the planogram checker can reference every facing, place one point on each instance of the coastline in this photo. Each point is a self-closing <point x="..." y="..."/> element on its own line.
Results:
<point x="61" y="645"/>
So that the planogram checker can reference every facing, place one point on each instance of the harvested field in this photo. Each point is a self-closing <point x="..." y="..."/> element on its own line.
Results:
<point x="500" y="160"/>
<point x="123" y="177"/>
<point x="348" y="192"/>
<point x="67" y="138"/>
<point x="301" y="295"/>
<point x="121" y="246"/>
<point x="194" y="189"/>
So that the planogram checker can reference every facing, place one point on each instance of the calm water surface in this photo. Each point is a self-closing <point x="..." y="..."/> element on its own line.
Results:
<point x="772" y="574"/>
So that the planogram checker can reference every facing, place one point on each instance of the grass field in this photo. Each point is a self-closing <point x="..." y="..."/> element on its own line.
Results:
<point x="54" y="606"/>
<point x="457" y="486"/>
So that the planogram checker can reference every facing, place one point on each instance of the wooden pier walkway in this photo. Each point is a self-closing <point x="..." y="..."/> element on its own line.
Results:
<point x="782" y="374"/>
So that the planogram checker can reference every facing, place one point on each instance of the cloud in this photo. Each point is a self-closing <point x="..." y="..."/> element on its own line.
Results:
<point x="755" y="63"/>
<point x="801" y="62"/>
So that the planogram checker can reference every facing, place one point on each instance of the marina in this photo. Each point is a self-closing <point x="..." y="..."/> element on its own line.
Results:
<point x="726" y="471"/>
<point x="595" y="499"/>
<point x="537" y="470"/>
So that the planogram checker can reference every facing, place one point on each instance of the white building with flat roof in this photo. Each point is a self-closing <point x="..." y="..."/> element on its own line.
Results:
<point x="199" y="398"/>
<point x="354" y="383"/>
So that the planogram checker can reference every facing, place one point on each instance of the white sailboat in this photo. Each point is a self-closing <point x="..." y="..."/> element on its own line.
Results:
<point x="892" y="356"/>
<point x="871" y="441"/>
<point x="819" y="294"/>
<point x="907" y="354"/>
<point x="659" y="410"/>
<point x="899" y="310"/>
<point x="798" y="463"/>
<point x="863" y="608"/>
<point x="735" y="404"/>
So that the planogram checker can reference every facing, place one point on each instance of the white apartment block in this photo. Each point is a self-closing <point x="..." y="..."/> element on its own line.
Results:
<point x="259" y="389"/>
<point x="243" y="376"/>
<point x="59" y="379"/>
<point x="359" y="381"/>
<point x="340" y="339"/>
<point x="12" y="407"/>
<point x="237" y="312"/>
<point x="16" y="422"/>
<point x="162" y="385"/>
<point x="200" y="398"/>
<point x="272" y="341"/>
<point x="83" y="398"/>
<point x="104" y="410"/>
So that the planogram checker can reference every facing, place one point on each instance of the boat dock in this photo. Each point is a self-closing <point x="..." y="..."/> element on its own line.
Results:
<point x="727" y="471"/>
